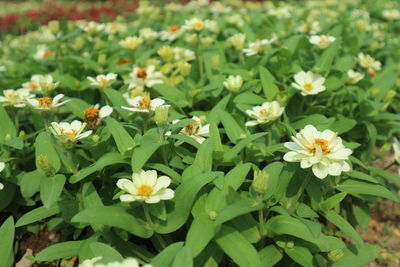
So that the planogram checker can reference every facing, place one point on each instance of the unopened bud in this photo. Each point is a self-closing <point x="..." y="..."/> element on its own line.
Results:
<point x="54" y="26"/>
<point x="206" y="41"/>
<point x="389" y="96"/>
<point x="184" y="68"/>
<point x="233" y="83"/>
<point x="335" y="255"/>
<point x="102" y="59"/>
<point x="79" y="43"/>
<point x="212" y="215"/>
<point x="95" y="138"/>
<point x="290" y="244"/>
<point x="237" y="41"/>
<point x="99" y="44"/>
<point x="191" y="38"/>
<point x="215" y="61"/>
<point x="166" y="53"/>
<point x="260" y="182"/>
<point x="374" y="92"/>
<point x="161" y="115"/>
<point x="44" y="162"/>
<point x="22" y="134"/>
<point x="8" y="137"/>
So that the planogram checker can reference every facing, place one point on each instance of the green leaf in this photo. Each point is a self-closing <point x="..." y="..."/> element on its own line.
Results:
<point x="386" y="175"/>
<point x="7" y="240"/>
<point x="201" y="232"/>
<point x="7" y="126"/>
<point x="300" y="255"/>
<point x="332" y="201"/>
<point x="172" y="94"/>
<point x="37" y="214"/>
<point x="324" y="62"/>
<point x="59" y="251"/>
<point x="121" y="137"/>
<point x="106" y="160"/>
<point x="241" y="251"/>
<point x="30" y="183"/>
<point x="236" y="209"/>
<point x="204" y="156"/>
<point x="115" y="217"/>
<point x="142" y="153"/>
<point x="165" y="257"/>
<point x="45" y="151"/>
<point x="268" y="84"/>
<point x="357" y="256"/>
<point x="183" y="258"/>
<point x="343" y="124"/>
<point x="108" y="254"/>
<point x="230" y="154"/>
<point x="354" y="187"/>
<point x="343" y="225"/>
<point x="232" y="128"/>
<point x="270" y="255"/>
<point x="51" y="188"/>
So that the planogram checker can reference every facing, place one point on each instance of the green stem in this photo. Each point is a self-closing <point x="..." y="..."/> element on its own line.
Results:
<point x="151" y="223"/>
<point x="261" y="222"/>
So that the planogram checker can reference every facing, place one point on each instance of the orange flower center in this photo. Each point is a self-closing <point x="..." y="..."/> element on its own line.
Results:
<point x="173" y="28"/>
<point x="48" y="53"/>
<point x="263" y="111"/>
<point x="144" y="103"/>
<point x="141" y="73"/>
<point x="33" y="86"/>
<point x="322" y="143"/>
<point x="124" y="61"/>
<point x="70" y="135"/>
<point x="198" y="25"/>
<point x="144" y="190"/>
<point x="102" y="82"/>
<point x="91" y="113"/>
<point x="45" y="102"/>
<point x="308" y="86"/>
<point x="192" y="128"/>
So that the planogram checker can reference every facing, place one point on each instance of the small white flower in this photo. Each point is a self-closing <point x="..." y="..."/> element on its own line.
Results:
<point x="146" y="186"/>
<point x="128" y="262"/>
<point x="92" y="27"/>
<point x="144" y="77"/>
<point x="103" y="81"/>
<point x="322" y="41"/>
<point x="368" y="62"/>
<point x="258" y="47"/>
<point x="197" y="24"/>
<point x="279" y="12"/>
<point x="233" y="83"/>
<point x="183" y="54"/>
<point x="70" y="132"/>
<point x="16" y="98"/>
<point x="237" y="41"/>
<point x="354" y="76"/>
<point x="148" y="34"/>
<point x="115" y="27"/>
<point x="195" y="130"/>
<point x="93" y="115"/>
<point x="311" y="27"/>
<point x="323" y="151"/>
<point x="2" y="166"/>
<point x="131" y="42"/>
<point x="391" y="14"/>
<point x="45" y="82"/>
<point x="47" y="103"/>
<point x="267" y="112"/>
<point x="171" y="33"/>
<point x="309" y="83"/>
<point x="42" y="52"/>
<point x="143" y="104"/>
<point x="33" y="84"/>
<point x="396" y="148"/>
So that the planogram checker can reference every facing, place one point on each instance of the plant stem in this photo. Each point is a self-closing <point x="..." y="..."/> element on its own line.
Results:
<point x="151" y="223"/>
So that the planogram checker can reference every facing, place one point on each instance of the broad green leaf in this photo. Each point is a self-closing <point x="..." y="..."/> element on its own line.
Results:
<point x="51" y="188"/>
<point x="201" y="232"/>
<point x="270" y="255"/>
<point x="386" y="175"/>
<point x="121" y="137"/>
<point x="46" y="154"/>
<point x="357" y="187"/>
<point x="7" y="240"/>
<point x="106" y="160"/>
<point x="232" y="128"/>
<point x="115" y="217"/>
<point x="268" y="84"/>
<point x="238" y="208"/>
<point x="59" y="251"/>
<point x="241" y="251"/>
<point x="332" y="201"/>
<point x="358" y="256"/>
<point x="273" y="171"/>
<point x="165" y="257"/>
<point x="343" y="124"/>
<point x="230" y="154"/>
<point x="183" y="258"/>
<point x="108" y="254"/>
<point x="172" y="94"/>
<point x="204" y="156"/>
<point x="324" y="62"/>
<point x="30" y="183"/>
<point x="7" y="126"/>
<point x="37" y="214"/>
<point x="301" y="255"/>
<point x="343" y="225"/>
<point x="146" y="148"/>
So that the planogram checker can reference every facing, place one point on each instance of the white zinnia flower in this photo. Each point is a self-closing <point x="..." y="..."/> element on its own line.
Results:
<point x="47" y="103"/>
<point x="323" y="151"/>
<point x="33" y="84"/>
<point x="309" y="83"/>
<point x="103" y="81"/>
<point x="267" y="112"/>
<point x="16" y="98"/>
<point x="69" y="131"/>
<point x="131" y="42"/>
<point x="128" y="262"/>
<point x="143" y="104"/>
<point x="258" y="46"/>
<point x="197" y="24"/>
<point x="148" y="34"/>
<point x="171" y="33"/>
<point x="42" y="52"/>
<point x="195" y="130"/>
<point x="322" y="41"/>
<point x="144" y="77"/>
<point x="311" y="27"/>
<point x="233" y="83"/>
<point x="354" y="76"/>
<point x="183" y="54"/>
<point x="237" y="41"/>
<point x="115" y="27"/>
<point x="146" y="186"/>
<point x="93" y="115"/>
<point x="396" y="148"/>
<point x="92" y="27"/>
<point x="368" y="62"/>
<point x="391" y="14"/>
<point x="2" y="166"/>
<point x="45" y="83"/>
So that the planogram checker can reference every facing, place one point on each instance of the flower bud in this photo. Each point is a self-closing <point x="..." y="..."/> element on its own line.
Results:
<point x="95" y="138"/>
<point x="237" y="41"/>
<point x="166" y="53"/>
<point x="79" y="43"/>
<point x="184" y="68"/>
<point x="212" y="215"/>
<point x="191" y="39"/>
<point x="99" y="44"/>
<point x="206" y="41"/>
<point x="233" y="83"/>
<point x="374" y="92"/>
<point x="389" y="96"/>
<point x="102" y="59"/>
<point x="260" y="182"/>
<point x="161" y="115"/>
<point x="22" y="134"/>
<point x="166" y="68"/>
<point x="215" y="61"/>
<point x="335" y="255"/>
<point x="290" y="244"/>
<point x="44" y="162"/>
<point x="54" y="26"/>
<point x="8" y="137"/>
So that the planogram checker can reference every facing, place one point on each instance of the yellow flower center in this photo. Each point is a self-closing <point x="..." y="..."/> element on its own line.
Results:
<point x="308" y="86"/>
<point x="48" y="53"/>
<point x="263" y="111"/>
<point x="144" y="103"/>
<point x="102" y="82"/>
<point x="173" y="28"/>
<point x="323" y="39"/>
<point x="141" y="73"/>
<point x="322" y="143"/>
<point x="45" y="102"/>
<point x="70" y="135"/>
<point x="144" y="190"/>
<point x="198" y="25"/>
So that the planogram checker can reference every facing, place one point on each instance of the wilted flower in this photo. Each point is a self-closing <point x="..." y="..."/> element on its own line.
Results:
<point x="147" y="187"/>
<point x="368" y="62"/>
<point x="322" y="41"/>
<point x="237" y="41"/>
<point x="16" y="98"/>
<point x="143" y="104"/>
<point x="323" y="151"/>
<point x="103" y="81"/>
<point x="258" y="46"/>
<point x="69" y="132"/>
<point x="93" y="115"/>
<point x="131" y="42"/>
<point x="42" y="52"/>
<point x="47" y="103"/>
<point x="354" y="76"/>
<point x="144" y="77"/>
<point x="309" y="83"/>
<point x="171" y="33"/>
<point x="233" y="83"/>
<point x="391" y="14"/>
<point x="267" y="112"/>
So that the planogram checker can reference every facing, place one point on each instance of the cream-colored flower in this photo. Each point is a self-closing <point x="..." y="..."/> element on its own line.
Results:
<point x="195" y="130"/>
<point x="131" y="42"/>
<point x="147" y="187"/>
<point x="148" y="34"/>
<point x="233" y="83"/>
<point x="354" y="76"/>
<point x="2" y="166"/>
<point x="258" y="46"/>
<point x="115" y="27"/>
<point x="171" y="33"/>
<point x="322" y="41"/>
<point x="93" y="115"/>
<point x="267" y="112"/>
<point x="396" y="148"/>
<point x="103" y="81"/>
<point x="46" y="83"/>
<point x="235" y="19"/>
<point x="16" y="98"/>
<point x="128" y="262"/>
<point x="143" y="104"/>
<point x="323" y="151"/>
<point x="309" y="83"/>
<point x="47" y="103"/>
<point x="237" y="41"/>
<point x="183" y="54"/>
<point x="69" y="132"/>
<point x="197" y="24"/>
<point x="368" y="62"/>
<point x="43" y="52"/>
<point x="92" y="27"/>
<point x="311" y="27"/>
<point x="391" y="14"/>
<point x="33" y="84"/>
<point x="279" y="12"/>
<point x="144" y="77"/>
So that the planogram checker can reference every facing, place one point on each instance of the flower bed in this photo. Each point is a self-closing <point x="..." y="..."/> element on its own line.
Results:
<point x="206" y="134"/>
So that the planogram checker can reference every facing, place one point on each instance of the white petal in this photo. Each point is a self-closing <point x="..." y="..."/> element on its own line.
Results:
<point x="127" y="198"/>
<point x="105" y="111"/>
<point x="166" y="194"/>
<point x="320" y="171"/>
<point x="162" y="182"/>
